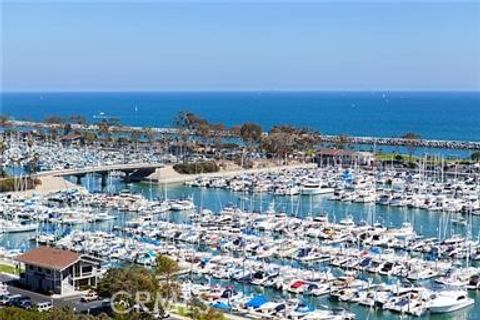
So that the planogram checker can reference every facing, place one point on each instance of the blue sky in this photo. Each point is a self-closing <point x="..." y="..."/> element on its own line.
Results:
<point x="240" y="46"/>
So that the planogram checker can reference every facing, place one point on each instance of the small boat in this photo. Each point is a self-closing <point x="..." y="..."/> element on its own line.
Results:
<point x="449" y="301"/>
<point x="182" y="205"/>
<point x="313" y="187"/>
<point x="8" y="226"/>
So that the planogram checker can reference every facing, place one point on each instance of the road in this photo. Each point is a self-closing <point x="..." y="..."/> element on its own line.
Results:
<point x="93" y="307"/>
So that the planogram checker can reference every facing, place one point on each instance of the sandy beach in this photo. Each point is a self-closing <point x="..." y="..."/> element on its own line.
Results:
<point x="49" y="184"/>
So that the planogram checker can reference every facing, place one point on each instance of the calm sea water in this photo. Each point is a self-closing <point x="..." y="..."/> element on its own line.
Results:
<point x="448" y="115"/>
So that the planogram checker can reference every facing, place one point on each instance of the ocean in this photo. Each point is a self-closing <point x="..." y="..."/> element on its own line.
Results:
<point x="435" y="115"/>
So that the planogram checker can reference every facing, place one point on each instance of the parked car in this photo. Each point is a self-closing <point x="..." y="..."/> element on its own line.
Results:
<point x="15" y="301"/>
<point x="24" y="303"/>
<point x="9" y="299"/>
<point x="44" y="306"/>
<point x="4" y="298"/>
<point x="161" y="316"/>
<point x="90" y="296"/>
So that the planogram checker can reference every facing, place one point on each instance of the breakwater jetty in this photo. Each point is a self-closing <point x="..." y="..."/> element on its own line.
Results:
<point x="421" y="143"/>
<point x="336" y="139"/>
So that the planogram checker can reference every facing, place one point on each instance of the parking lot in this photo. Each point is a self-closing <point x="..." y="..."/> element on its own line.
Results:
<point x="36" y="298"/>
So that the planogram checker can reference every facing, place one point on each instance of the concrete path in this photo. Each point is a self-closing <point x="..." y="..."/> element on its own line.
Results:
<point x="168" y="175"/>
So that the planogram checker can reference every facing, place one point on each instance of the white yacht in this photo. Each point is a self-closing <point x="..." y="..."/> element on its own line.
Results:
<point x="182" y="205"/>
<point x="102" y="216"/>
<point x="449" y="301"/>
<point x="313" y="186"/>
<point x="8" y="226"/>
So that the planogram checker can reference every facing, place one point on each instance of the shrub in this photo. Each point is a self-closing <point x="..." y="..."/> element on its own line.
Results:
<point x="196" y="168"/>
<point x="8" y="184"/>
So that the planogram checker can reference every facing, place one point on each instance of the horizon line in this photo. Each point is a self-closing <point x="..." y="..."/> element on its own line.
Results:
<point x="453" y="90"/>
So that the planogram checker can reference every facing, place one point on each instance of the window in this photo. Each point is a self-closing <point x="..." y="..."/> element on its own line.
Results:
<point x="87" y="269"/>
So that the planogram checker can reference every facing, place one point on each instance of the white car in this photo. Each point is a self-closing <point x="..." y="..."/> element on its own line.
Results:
<point x="44" y="306"/>
<point x="90" y="296"/>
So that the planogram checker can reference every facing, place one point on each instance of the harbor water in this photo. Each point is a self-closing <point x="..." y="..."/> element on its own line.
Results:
<point x="429" y="224"/>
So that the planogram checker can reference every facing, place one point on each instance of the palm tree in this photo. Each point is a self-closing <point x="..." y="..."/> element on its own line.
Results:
<point x="32" y="164"/>
<point x="104" y="128"/>
<point x="149" y="134"/>
<point x="3" y="147"/>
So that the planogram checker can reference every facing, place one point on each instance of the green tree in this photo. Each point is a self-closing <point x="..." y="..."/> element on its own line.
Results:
<point x="343" y="141"/>
<point x="65" y="313"/>
<point x="235" y="131"/>
<point x="3" y="120"/>
<point x="132" y="280"/>
<point x="475" y="156"/>
<point x="251" y="134"/>
<point x="411" y="139"/>
<point x="104" y="129"/>
<point x="166" y="268"/>
<point x="278" y="143"/>
<point x="67" y="128"/>
<point x="78" y="119"/>
<point x="54" y="120"/>
<point x="218" y="133"/>
<point x="149" y="134"/>
<point x="211" y="314"/>
<point x="197" y="310"/>
<point x="129" y="279"/>
<point x="89" y="137"/>
<point x="182" y="123"/>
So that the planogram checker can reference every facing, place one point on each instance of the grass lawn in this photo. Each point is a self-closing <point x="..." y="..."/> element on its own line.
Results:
<point x="6" y="268"/>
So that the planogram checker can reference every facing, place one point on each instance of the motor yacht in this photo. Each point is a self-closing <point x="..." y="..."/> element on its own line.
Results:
<point x="449" y="301"/>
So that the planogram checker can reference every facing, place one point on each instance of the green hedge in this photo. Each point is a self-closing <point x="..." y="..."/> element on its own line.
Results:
<point x="197" y="167"/>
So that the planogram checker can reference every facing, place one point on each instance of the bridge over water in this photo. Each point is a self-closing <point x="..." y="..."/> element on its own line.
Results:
<point x="134" y="172"/>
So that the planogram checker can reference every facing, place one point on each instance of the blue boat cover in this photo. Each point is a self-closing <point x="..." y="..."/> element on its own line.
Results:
<point x="256" y="302"/>
<point x="221" y="305"/>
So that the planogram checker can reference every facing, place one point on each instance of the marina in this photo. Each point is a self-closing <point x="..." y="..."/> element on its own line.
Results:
<point x="343" y="234"/>
<point x="213" y="228"/>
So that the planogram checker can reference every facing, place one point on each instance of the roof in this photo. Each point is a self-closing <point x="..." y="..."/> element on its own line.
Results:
<point x="50" y="258"/>
<point x="335" y="152"/>
<point x="71" y="136"/>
